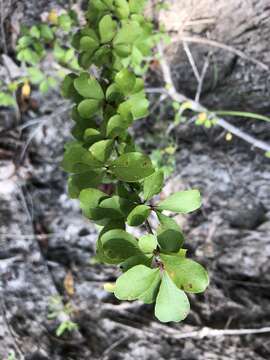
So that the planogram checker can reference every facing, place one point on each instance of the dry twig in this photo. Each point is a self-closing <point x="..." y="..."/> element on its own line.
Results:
<point x="217" y="44"/>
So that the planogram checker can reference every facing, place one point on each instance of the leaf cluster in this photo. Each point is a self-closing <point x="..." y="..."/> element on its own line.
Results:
<point x="50" y="38"/>
<point x="115" y="183"/>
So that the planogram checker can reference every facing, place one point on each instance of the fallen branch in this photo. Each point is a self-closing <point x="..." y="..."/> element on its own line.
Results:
<point x="208" y="332"/>
<point x="197" y="107"/>
<point x="124" y="310"/>
<point x="231" y="49"/>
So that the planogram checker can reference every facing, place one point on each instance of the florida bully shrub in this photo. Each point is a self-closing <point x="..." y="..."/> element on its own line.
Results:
<point x="115" y="182"/>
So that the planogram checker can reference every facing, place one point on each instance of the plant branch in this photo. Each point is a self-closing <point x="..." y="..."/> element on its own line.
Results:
<point x="197" y="107"/>
<point x="148" y="227"/>
<point x="208" y="332"/>
<point x="217" y="44"/>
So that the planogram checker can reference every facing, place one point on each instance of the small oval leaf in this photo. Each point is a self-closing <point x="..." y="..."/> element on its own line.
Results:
<point x="118" y="245"/>
<point x="148" y="243"/>
<point x="125" y="80"/>
<point x="88" y="87"/>
<point x="107" y="28"/>
<point x="87" y="108"/>
<point x="138" y="283"/>
<point x="172" y="303"/>
<point x="138" y="215"/>
<point x="186" y="273"/>
<point x="153" y="184"/>
<point x="101" y="150"/>
<point x="132" y="167"/>
<point x="182" y="202"/>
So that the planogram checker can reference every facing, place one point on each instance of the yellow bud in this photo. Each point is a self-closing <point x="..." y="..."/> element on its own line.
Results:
<point x="170" y="150"/>
<point x="202" y="117"/>
<point x="69" y="284"/>
<point x="53" y="17"/>
<point x="182" y="252"/>
<point x="26" y="90"/>
<point x="109" y="287"/>
<point x="228" y="136"/>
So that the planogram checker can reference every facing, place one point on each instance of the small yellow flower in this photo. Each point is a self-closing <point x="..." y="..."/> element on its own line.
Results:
<point x="228" y="136"/>
<point x="202" y="117"/>
<point x="26" y="90"/>
<point x="109" y="287"/>
<point x="170" y="150"/>
<point x="53" y="17"/>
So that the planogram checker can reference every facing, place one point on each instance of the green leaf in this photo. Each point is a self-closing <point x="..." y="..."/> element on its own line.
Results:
<point x="121" y="8"/>
<point x="44" y="86"/>
<point x="78" y="182"/>
<point x="124" y="109"/>
<point x="172" y="304"/>
<point x="65" y="22"/>
<point x="99" y="5"/>
<point x="139" y="86"/>
<point x="118" y="245"/>
<point x="123" y="50"/>
<point x="113" y="224"/>
<point x="7" y="100"/>
<point x="87" y="108"/>
<point x="138" y="215"/>
<point x="182" y="202"/>
<point x="170" y="236"/>
<point x="34" y="32"/>
<point x="125" y="80"/>
<point x="107" y="28"/>
<point x="102" y="150"/>
<point x="138" y="283"/>
<point x="29" y="56"/>
<point x="113" y="93"/>
<point x="116" y="207"/>
<point x="139" y="105"/>
<point x="102" y="56"/>
<point x="89" y="202"/>
<point x="136" y="260"/>
<point x="136" y="6"/>
<point x="109" y="4"/>
<point x="153" y="184"/>
<point x="88" y="87"/>
<point x="77" y="159"/>
<point x="92" y="135"/>
<point x="68" y="90"/>
<point x="81" y="126"/>
<point x="187" y="274"/>
<point x="128" y="34"/>
<point x="46" y="32"/>
<point x="124" y="191"/>
<point x="85" y="60"/>
<point x="132" y="167"/>
<point x="116" y="126"/>
<point x="88" y="44"/>
<point x="52" y="82"/>
<point x="148" y="243"/>
<point x="25" y="41"/>
<point x="89" y="32"/>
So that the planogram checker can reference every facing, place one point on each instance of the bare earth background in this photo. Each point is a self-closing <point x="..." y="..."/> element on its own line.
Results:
<point x="43" y="236"/>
